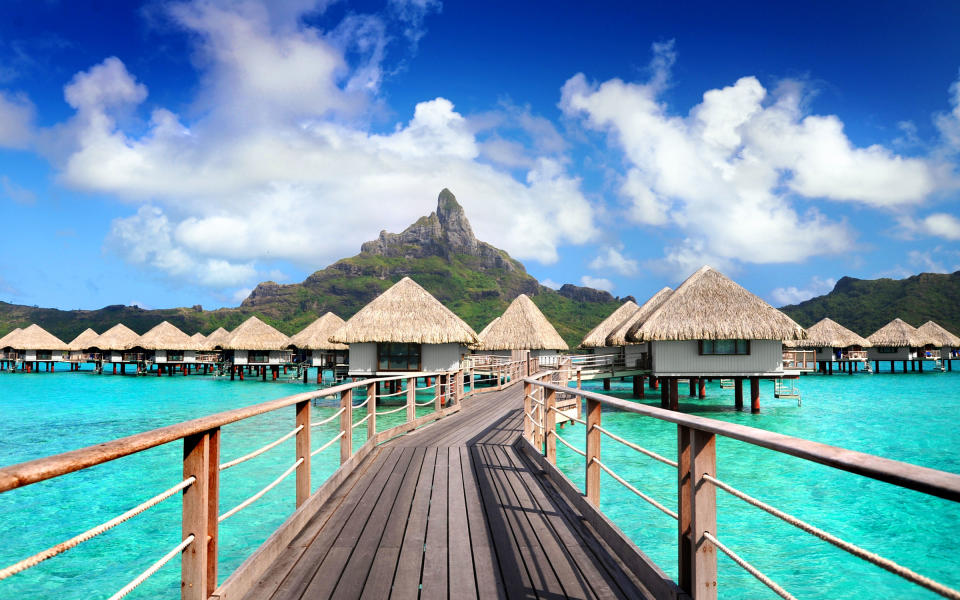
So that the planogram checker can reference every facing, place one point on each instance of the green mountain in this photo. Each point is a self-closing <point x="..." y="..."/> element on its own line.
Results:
<point x="474" y="279"/>
<point x="865" y="305"/>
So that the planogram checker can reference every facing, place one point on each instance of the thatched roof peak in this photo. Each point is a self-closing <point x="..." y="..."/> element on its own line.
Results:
<point x="216" y="339"/>
<point x="621" y="334"/>
<point x="827" y="333"/>
<point x="5" y="340"/>
<point x="83" y="341"/>
<point x="597" y="336"/>
<point x="521" y="327"/>
<point x="405" y="313"/>
<point x="117" y="337"/>
<point x="316" y="335"/>
<point x="35" y="337"/>
<point x="711" y="306"/>
<point x="164" y="336"/>
<point x="896" y="334"/>
<point x="254" y="334"/>
<point x="199" y="339"/>
<point x="932" y="333"/>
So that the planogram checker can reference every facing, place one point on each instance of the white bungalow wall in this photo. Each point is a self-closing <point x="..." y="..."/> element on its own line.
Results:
<point x="441" y="357"/>
<point x="633" y="353"/>
<point x="682" y="358"/>
<point x="55" y="355"/>
<point x="900" y="354"/>
<point x="363" y="359"/>
<point x="160" y="356"/>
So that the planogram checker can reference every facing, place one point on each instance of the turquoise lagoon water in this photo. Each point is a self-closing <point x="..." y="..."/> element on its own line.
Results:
<point x="908" y="417"/>
<point x="47" y="413"/>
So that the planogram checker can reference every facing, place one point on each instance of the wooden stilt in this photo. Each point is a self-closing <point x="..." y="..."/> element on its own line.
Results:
<point x="665" y="395"/>
<point x="693" y="386"/>
<point x="674" y="394"/>
<point x="606" y="383"/>
<point x="637" y="386"/>
<point x="754" y="394"/>
<point x="701" y="388"/>
<point x="738" y="393"/>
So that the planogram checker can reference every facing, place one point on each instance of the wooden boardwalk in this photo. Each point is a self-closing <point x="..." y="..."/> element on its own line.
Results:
<point x="453" y="510"/>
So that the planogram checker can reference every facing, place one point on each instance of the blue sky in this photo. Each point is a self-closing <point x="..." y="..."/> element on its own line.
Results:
<point x="171" y="154"/>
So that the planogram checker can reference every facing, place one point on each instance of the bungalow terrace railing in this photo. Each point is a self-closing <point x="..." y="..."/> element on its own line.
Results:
<point x="499" y="375"/>
<point x="800" y="359"/>
<point x="855" y="355"/>
<point x="697" y="484"/>
<point x="202" y="466"/>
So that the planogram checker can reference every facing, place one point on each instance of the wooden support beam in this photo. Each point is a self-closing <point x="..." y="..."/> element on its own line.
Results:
<point x="550" y="427"/>
<point x="527" y="411"/>
<point x="411" y="398"/>
<point x="346" y="425"/>
<point x="754" y="394"/>
<point x="738" y="393"/>
<point x="701" y="388"/>
<point x="303" y="451"/>
<point x="592" y="481"/>
<point x="606" y="383"/>
<point x="194" y="573"/>
<point x="693" y="386"/>
<point x="674" y="393"/>
<point x="697" y="513"/>
<point x="371" y="411"/>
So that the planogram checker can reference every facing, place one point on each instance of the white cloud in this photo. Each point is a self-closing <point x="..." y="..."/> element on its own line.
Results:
<point x="611" y="258"/>
<point x="553" y="285"/>
<point x="949" y="123"/>
<point x="733" y="173"/>
<point x="241" y="294"/>
<point x="942" y="225"/>
<point x="18" y="194"/>
<point x="935" y="260"/>
<point x="16" y="120"/>
<point x="278" y="163"/>
<point x="600" y="283"/>
<point x="792" y="295"/>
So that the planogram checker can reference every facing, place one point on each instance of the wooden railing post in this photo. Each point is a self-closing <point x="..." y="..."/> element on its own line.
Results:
<point x="198" y="568"/>
<point x="371" y="411"/>
<point x="592" y="483"/>
<point x="550" y="426"/>
<point x="696" y="452"/>
<point x="437" y="396"/>
<point x="346" y="425"/>
<point x="411" y="399"/>
<point x="527" y="409"/>
<point x="303" y="451"/>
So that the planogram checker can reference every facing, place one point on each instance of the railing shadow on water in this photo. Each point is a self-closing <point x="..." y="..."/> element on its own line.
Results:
<point x="696" y="464"/>
<point x="200" y="486"/>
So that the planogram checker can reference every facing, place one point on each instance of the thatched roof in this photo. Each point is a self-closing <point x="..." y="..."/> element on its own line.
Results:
<point x="316" y="335"/>
<point x="711" y="306"/>
<point x="5" y="340"/>
<point x="405" y="313"/>
<point x="598" y="335"/>
<point x="896" y="334"/>
<point x="164" y="336"/>
<point x="521" y="327"/>
<point x="216" y="339"/>
<point x="118" y="337"/>
<point x="254" y="334"/>
<point x="487" y="328"/>
<point x="937" y="336"/>
<point x="199" y="340"/>
<point x="621" y="334"/>
<point x="827" y="333"/>
<point x="35" y="337"/>
<point x="83" y="341"/>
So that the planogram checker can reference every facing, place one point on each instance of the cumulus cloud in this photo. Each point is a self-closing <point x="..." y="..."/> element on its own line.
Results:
<point x="553" y="285"/>
<point x="793" y="295"/>
<point x="612" y="258"/>
<point x="275" y="160"/>
<point x="734" y="172"/>
<point x="941" y="225"/>
<point x="600" y="283"/>
<point x="949" y="123"/>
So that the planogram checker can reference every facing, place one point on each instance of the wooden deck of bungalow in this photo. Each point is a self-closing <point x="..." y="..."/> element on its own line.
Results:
<point x="455" y="510"/>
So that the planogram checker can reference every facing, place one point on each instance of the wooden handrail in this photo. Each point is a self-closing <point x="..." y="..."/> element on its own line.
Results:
<point x="41" y="469"/>
<point x="922" y="479"/>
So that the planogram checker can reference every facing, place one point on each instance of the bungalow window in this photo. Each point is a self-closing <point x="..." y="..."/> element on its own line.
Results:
<point x="258" y="357"/>
<point x="887" y="350"/>
<point x="174" y="356"/>
<point x="724" y="347"/>
<point x="44" y="354"/>
<point x="398" y="357"/>
<point x="129" y="357"/>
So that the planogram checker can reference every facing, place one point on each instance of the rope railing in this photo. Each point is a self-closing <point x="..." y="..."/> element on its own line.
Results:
<point x="259" y="494"/>
<point x="328" y="444"/>
<point x="627" y="485"/>
<point x="394" y="394"/>
<point x="534" y="420"/>
<point x="640" y="449"/>
<point x="361" y="405"/>
<point x="426" y="403"/>
<point x="75" y="541"/>
<point x="568" y="417"/>
<point x="389" y="412"/>
<point x="360" y="422"/>
<point x="153" y="569"/>
<point x="750" y="568"/>
<point x="330" y="418"/>
<point x="560" y="439"/>
<point x="875" y="559"/>
<point x="258" y="452"/>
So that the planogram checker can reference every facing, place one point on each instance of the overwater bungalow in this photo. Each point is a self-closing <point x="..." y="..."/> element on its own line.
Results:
<point x="942" y="346"/>
<point x="8" y="356"/>
<point x="522" y="330"/>
<point x="35" y="347"/>
<point x="257" y="346"/>
<point x="896" y="341"/>
<point x="834" y="344"/>
<point x="166" y="347"/>
<point x="79" y="348"/>
<point x="596" y="339"/>
<point x="313" y="347"/>
<point x="405" y="329"/>
<point x="633" y="353"/>
<point x="113" y="348"/>
<point x="712" y="327"/>
<point x="199" y="340"/>
<point x="214" y="341"/>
